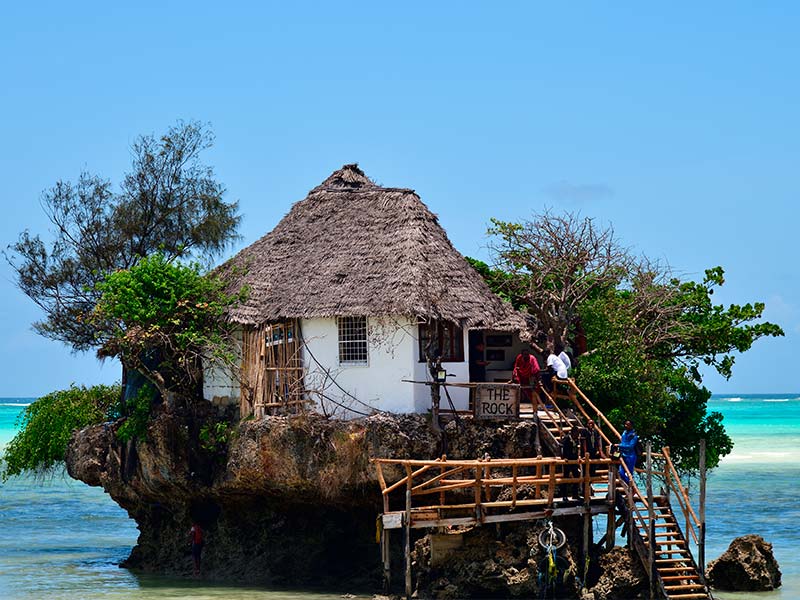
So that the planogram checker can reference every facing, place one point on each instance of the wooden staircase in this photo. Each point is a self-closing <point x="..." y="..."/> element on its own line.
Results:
<point x="674" y="569"/>
<point x="675" y="574"/>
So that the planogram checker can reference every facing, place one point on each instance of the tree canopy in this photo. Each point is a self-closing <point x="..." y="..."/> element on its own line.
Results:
<point x="639" y="333"/>
<point x="164" y="320"/>
<point x="169" y="202"/>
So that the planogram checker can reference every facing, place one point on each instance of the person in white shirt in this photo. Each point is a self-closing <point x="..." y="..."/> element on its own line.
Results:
<point x="567" y="364"/>
<point x="559" y="364"/>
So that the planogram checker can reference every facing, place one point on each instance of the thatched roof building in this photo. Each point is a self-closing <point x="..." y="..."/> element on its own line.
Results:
<point x="348" y="296"/>
<point x="355" y="248"/>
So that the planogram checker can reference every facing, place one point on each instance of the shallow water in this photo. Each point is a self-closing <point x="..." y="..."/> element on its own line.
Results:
<point x="63" y="539"/>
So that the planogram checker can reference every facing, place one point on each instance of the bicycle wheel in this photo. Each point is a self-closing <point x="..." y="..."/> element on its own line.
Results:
<point x="556" y="540"/>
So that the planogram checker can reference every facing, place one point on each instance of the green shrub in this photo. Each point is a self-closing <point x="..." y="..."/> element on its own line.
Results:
<point x="214" y="437"/>
<point x="138" y="414"/>
<point x="46" y="426"/>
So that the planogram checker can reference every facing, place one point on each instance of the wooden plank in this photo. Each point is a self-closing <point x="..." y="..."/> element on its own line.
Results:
<point x="407" y="545"/>
<point x="507" y="518"/>
<point x="551" y="488"/>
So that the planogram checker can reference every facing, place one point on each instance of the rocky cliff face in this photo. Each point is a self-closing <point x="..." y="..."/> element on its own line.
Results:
<point x="292" y="501"/>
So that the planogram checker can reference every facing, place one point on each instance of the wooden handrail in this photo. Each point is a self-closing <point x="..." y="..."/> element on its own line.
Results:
<point x="482" y="477"/>
<point x="600" y="415"/>
<point x="633" y="488"/>
<point x="493" y="462"/>
<point x="439" y="477"/>
<point x="561" y="415"/>
<point x="405" y="480"/>
<point x="683" y="496"/>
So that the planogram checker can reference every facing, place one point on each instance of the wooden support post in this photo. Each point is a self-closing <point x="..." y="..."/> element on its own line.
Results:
<point x="407" y="544"/>
<point x="386" y="557"/>
<point x="631" y="523"/>
<point x="477" y="495"/>
<point x="651" y="522"/>
<point x="587" y="530"/>
<point x="611" y="526"/>
<point x="435" y="396"/>
<point x="667" y="474"/>
<point x="514" y="486"/>
<point x="537" y="487"/>
<point x="441" y="470"/>
<point x="701" y="546"/>
<point x="587" y="479"/>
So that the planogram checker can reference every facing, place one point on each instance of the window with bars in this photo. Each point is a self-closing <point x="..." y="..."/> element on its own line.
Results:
<point x="352" y="340"/>
<point x="442" y="337"/>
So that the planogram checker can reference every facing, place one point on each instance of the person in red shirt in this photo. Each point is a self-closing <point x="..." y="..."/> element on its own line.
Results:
<point x="196" y="537"/>
<point x="526" y="373"/>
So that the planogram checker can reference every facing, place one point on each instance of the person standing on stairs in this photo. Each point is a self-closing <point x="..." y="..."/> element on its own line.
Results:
<point x="558" y="365"/>
<point x="628" y="449"/>
<point x="592" y="443"/>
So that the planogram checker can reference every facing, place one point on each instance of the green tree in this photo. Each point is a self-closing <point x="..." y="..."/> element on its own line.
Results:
<point x="169" y="202"/>
<point x="47" y="424"/>
<point x="165" y="320"/>
<point x="640" y="333"/>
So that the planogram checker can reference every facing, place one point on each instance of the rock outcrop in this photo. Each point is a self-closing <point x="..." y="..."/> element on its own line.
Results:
<point x="622" y="578"/>
<point x="289" y="501"/>
<point x="748" y="565"/>
<point x="292" y="502"/>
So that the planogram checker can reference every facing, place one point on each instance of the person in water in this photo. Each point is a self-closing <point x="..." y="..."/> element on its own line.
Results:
<point x="628" y="450"/>
<point x="196" y="539"/>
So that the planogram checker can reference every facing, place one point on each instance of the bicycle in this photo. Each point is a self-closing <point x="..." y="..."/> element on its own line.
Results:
<point x="551" y="537"/>
<point x="552" y="568"/>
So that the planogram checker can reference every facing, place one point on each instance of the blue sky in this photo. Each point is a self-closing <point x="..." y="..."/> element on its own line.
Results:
<point x="678" y="125"/>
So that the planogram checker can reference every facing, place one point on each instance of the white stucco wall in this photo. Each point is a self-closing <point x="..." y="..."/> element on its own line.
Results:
<point x="378" y="384"/>
<point x="220" y="386"/>
<point x="393" y="355"/>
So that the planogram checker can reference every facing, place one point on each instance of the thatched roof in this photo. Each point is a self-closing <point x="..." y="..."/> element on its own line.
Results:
<point x="353" y="248"/>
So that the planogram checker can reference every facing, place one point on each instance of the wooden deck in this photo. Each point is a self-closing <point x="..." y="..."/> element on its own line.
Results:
<point x="441" y="493"/>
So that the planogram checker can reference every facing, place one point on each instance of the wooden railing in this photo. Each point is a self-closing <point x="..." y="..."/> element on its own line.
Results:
<point x="583" y="404"/>
<point x="450" y="482"/>
<point x="555" y="414"/>
<point x="673" y="481"/>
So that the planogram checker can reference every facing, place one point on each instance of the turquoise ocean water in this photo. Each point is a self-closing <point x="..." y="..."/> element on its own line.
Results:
<point x="63" y="539"/>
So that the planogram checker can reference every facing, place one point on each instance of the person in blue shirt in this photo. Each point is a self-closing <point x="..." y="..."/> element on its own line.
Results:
<point x="628" y="449"/>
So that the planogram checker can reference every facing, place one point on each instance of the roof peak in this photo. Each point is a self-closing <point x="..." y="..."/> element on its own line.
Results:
<point x="349" y="177"/>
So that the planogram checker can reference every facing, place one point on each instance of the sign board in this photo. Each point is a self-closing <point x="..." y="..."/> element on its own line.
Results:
<point x="496" y="401"/>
